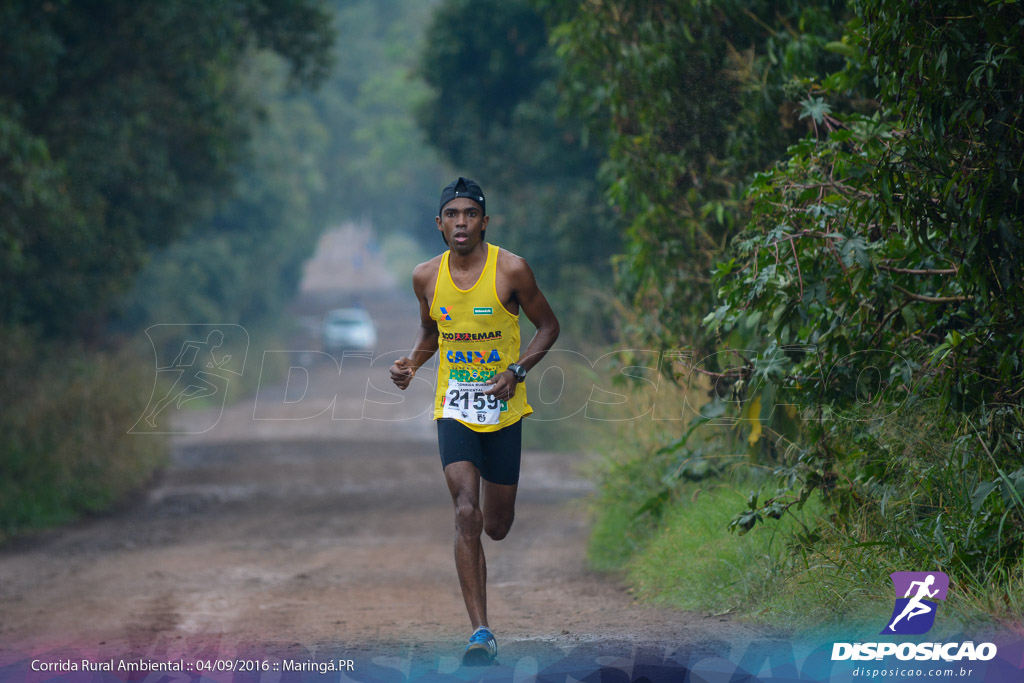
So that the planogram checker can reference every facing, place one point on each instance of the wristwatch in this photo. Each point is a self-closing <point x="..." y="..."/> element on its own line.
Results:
<point x="518" y="370"/>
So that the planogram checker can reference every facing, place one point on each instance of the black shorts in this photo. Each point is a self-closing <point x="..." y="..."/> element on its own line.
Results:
<point x="495" y="454"/>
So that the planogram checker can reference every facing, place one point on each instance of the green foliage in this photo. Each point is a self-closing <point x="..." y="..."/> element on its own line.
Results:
<point x="64" y="432"/>
<point x="899" y="229"/>
<point x="641" y="483"/>
<point x="375" y="163"/>
<point x="633" y="495"/>
<point x="915" y="489"/>
<point x="349" y="150"/>
<point x="691" y="562"/>
<point x="492" y="111"/>
<point x="242" y="264"/>
<point x="134" y="118"/>
<point x="480" y="62"/>
<point x="31" y="201"/>
<point x="892" y="234"/>
<point x="839" y="207"/>
<point x="691" y="98"/>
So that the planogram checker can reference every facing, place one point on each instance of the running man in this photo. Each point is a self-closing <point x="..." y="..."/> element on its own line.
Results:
<point x="470" y="298"/>
<point x="915" y="607"/>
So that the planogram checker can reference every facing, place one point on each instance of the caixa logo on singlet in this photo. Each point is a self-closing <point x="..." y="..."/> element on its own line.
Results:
<point x="473" y="357"/>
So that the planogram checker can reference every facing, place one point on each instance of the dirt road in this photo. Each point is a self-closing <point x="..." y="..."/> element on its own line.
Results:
<point x="301" y="536"/>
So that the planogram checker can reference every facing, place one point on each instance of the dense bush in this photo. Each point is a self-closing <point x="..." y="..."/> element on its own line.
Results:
<point x="64" y="431"/>
<point x="828" y="197"/>
<point x="885" y="247"/>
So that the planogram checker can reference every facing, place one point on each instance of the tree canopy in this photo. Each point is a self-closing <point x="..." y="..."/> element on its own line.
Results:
<point x="691" y="98"/>
<point x="347" y="151"/>
<point x="121" y="124"/>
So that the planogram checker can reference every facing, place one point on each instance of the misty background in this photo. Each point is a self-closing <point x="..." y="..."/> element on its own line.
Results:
<point x="815" y="208"/>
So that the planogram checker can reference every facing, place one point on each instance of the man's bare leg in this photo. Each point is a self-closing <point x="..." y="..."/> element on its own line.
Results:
<point x="464" y="485"/>
<point x="495" y="519"/>
<point x="499" y="509"/>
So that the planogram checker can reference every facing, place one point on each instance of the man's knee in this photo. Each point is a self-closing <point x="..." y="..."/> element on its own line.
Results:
<point x="498" y="529"/>
<point x="468" y="519"/>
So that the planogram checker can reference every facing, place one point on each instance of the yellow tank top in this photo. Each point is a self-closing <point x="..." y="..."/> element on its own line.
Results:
<point x="478" y="339"/>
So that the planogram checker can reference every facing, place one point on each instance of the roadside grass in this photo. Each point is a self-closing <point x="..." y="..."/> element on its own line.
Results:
<point x="906" y="498"/>
<point x="65" y="447"/>
<point x="688" y="559"/>
<point x="653" y="498"/>
<point x="65" y="450"/>
<point x="692" y="561"/>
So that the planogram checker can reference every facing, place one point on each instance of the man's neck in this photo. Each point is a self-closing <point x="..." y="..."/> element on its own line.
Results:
<point x="467" y="261"/>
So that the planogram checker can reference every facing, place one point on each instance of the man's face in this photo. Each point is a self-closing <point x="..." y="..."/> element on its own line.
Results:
<point x="462" y="223"/>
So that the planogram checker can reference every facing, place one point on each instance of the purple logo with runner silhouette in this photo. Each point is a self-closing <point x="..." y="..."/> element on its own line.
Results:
<point x="916" y="593"/>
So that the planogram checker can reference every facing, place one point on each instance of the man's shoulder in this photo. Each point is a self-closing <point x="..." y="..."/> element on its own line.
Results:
<point x="427" y="267"/>
<point x="512" y="265"/>
<point x="424" y="274"/>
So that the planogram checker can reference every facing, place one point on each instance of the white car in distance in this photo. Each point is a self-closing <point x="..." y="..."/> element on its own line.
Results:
<point x="348" y="329"/>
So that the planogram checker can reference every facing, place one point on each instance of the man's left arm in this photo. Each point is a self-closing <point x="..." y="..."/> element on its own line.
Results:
<point x="535" y="306"/>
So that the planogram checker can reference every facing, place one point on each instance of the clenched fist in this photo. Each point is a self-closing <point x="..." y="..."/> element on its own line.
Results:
<point x="402" y="373"/>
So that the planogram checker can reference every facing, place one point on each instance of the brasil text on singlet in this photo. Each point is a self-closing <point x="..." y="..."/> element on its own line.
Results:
<point x="478" y="339"/>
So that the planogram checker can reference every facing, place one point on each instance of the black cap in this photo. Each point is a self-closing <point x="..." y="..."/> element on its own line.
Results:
<point x="462" y="188"/>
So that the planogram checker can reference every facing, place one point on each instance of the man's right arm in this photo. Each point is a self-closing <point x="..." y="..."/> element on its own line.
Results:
<point x="404" y="369"/>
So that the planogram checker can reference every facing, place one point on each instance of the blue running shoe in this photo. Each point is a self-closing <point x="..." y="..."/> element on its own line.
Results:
<point x="482" y="648"/>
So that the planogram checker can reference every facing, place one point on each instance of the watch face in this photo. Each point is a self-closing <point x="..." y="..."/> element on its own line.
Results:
<point x="519" y="371"/>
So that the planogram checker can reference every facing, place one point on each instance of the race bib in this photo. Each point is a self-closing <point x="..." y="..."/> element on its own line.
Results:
<point x="466" y="401"/>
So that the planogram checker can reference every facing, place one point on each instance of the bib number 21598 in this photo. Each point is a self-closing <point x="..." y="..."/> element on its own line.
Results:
<point x="467" y="401"/>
